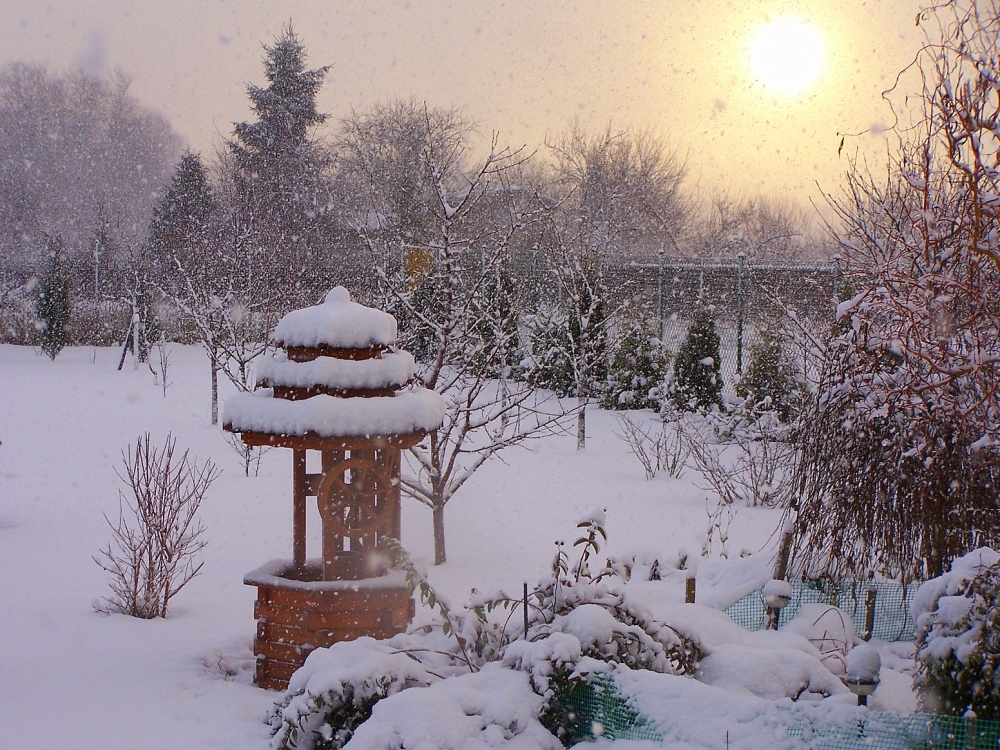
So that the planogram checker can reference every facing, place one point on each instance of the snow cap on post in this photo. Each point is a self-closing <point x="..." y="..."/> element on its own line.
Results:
<point x="338" y="323"/>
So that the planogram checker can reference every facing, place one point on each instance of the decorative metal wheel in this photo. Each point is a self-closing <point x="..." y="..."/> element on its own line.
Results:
<point x="349" y="505"/>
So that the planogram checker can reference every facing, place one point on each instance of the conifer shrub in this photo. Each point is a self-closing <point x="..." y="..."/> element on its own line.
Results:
<point x="698" y="366"/>
<point x="958" y="638"/>
<point x="53" y="306"/>
<point x="636" y="372"/>
<point x="550" y="365"/>
<point x="769" y="382"/>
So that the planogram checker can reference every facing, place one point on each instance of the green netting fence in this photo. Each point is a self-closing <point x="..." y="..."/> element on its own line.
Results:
<point x="887" y="612"/>
<point x="884" y="731"/>
<point x="604" y="712"/>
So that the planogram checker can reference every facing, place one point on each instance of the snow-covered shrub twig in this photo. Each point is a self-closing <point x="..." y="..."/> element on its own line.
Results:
<point x="156" y="544"/>
<point x="765" y="458"/>
<point x="657" y="450"/>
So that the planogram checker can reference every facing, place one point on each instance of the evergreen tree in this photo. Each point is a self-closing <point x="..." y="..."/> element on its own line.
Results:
<point x="698" y="366"/>
<point x="769" y="383"/>
<point x="279" y="191"/>
<point x="636" y="371"/>
<point x="551" y="366"/>
<point x="496" y="314"/>
<point x="182" y="218"/>
<point x="53" y="303"/>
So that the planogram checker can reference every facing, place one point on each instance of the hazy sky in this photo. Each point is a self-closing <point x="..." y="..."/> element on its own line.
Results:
<point x="522" y="67"/>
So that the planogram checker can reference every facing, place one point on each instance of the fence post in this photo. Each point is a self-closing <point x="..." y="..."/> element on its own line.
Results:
<point x="689" y="590"/>
<point x="869" y="614"/>
<point x="739" y="314"/>
<point x="659" y="294"/>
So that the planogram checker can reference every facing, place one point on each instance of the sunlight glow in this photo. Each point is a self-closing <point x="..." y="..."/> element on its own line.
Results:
<point x="787" y="55"/>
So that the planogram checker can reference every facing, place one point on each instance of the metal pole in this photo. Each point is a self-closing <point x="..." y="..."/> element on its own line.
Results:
<point x="739" y="314"/>
<point x="659" y="294"/>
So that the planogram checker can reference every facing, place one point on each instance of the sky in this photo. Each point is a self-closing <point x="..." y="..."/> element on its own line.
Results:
<point x="524" y="68"/>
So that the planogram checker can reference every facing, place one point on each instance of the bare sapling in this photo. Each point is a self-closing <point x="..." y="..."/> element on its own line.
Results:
<point x="661" y="449"/>
<point x="762" y="470"/>
<point x="157" y="537"/>
<point x="161" y="373"/>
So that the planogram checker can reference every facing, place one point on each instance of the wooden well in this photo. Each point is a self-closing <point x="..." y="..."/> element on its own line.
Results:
<point x="336" y="393"/>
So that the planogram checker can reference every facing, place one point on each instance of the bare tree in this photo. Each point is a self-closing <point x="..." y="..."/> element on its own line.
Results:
<point x="901" y="466"/>
<point x="156" y="542"/>
<point x="622" y="190"/>
<point x="72" y="145"/>
<point x="451" y="297"/>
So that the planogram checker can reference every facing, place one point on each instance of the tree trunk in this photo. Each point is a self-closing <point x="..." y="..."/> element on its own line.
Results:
<point x="215" y="390"/>
<point x="581" y="425"/>
<point x="438" y="516"/>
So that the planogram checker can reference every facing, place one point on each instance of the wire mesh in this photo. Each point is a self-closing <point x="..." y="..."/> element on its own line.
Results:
<point x="605" y="713"/>
<point x="890" y="618"/>
<point x="742" y="293"/>
<point x="885" y="731"/>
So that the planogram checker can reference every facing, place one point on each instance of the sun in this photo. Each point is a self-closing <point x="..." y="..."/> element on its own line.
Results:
<point x="787" y="55"/>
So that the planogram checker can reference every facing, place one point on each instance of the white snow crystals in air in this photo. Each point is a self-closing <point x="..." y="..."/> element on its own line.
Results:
<point x="339" y="323"/>
<point x="393" y="370"/>
<point x="328" y="416"/>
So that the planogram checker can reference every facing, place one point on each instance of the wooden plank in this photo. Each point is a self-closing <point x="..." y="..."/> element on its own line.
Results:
<point x="299" y="508"/>
<point x="270" y="683"/>
<point x="282" y="615"/>
<point x="321" y="638"/>
<point x="335" y="601"/>
<point x="312" y="441"/>
<point x="275" y="669"/>
<point x="289" y="393"/>
<point x="309" y="353"/>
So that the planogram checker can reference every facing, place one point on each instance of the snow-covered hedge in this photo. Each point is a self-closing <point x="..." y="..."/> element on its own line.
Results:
<point x="511" y="685"/>
<point x="958" y="638"/>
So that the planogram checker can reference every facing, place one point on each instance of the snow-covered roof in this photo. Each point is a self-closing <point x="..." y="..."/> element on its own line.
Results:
<point x="338" y="323"/>
<point x="404" y="413"/>
<point x="393" y="370"/>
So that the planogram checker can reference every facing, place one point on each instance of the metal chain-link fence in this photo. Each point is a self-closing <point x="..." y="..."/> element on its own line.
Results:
<point x="744" y="295"/>
<point x="884" y="614"/>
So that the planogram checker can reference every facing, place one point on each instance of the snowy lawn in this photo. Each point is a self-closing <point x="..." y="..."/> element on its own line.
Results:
<point x="73" y="678"/>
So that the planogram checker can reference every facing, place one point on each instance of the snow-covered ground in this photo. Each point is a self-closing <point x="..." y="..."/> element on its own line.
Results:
<point x="73" y="678"/>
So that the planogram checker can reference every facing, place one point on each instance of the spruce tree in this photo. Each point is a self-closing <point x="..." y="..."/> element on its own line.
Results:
<point x="53" y="303"/>
<point x="769" y="383"/>
<point x="551" y="366"/>
<point x="698" y="366"/>
<point x="496" y="314"/>
<point x="636" y="371"/>
<point x="278" y="168"/>
<point x="182" y="218"/>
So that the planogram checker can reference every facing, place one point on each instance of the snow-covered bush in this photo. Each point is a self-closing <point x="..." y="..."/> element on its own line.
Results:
<point x="334" y="692"/>
<point x="698" y="366"/>
<point x="658" y="448"/>
<point x="769" y="382"/>
<point x="636" y="372"/>
<point x="580" y="622"/>
<point x="958" y="638"/>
